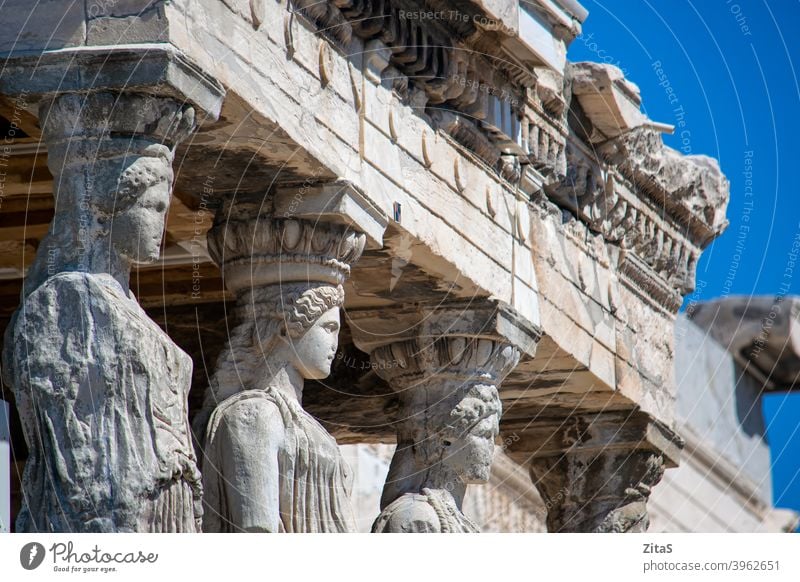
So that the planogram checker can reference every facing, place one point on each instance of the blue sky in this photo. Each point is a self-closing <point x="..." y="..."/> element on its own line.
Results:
<point x="730" y="75"/>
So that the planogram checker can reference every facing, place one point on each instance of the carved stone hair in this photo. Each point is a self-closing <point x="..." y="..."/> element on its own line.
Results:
<point x="264" y="315"/>
<point x="152" y="168"/>
<point x="481" y="402"/>
<point x="287" y="309"/>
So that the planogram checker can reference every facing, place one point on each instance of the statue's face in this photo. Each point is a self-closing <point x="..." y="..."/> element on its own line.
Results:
<point x="137" y="231"/>
<point x="313" y="353"/>
<point x="472" y="455"/>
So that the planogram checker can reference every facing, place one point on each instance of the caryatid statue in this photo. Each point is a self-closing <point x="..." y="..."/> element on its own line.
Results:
<point x="100" y="388"/>
<point x="268" y="465"/>
<point x="449" y="420"/>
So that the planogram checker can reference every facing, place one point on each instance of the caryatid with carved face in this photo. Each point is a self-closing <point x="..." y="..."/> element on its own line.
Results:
<point x="101" y="389"/>
<point x="450" y="414"/>
<point x="268" y="465"/>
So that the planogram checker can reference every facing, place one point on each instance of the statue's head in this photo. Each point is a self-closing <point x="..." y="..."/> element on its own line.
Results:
<point x="111" y="157"/>
<point x="308" y="331"/>
<point x="467" y="439"/>
<point x="293" y="325"/>
<point x="135" y="213"/>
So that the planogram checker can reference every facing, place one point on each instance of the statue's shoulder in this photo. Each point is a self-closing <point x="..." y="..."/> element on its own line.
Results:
<point x="66" y="295"/>
<point x="248" y="416"/>
<point x="77" y="282"/>
<point x="409" y="513"/>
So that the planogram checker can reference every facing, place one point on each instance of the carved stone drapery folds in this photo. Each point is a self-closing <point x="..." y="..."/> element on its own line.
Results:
<point x="100" y="388"/>
<point x="595" y="472"/>
<point x="268" y="465"/>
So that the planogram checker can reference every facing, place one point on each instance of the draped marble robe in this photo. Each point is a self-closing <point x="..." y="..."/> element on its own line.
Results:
<point x="313" y="487"/>
<point x="104" y="393"/>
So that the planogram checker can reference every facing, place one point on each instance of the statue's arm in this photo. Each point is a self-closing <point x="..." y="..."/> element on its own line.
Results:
<point x="250" y="439"/>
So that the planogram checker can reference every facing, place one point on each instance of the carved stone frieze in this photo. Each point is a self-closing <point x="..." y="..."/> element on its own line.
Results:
<point x="657" y="208"/>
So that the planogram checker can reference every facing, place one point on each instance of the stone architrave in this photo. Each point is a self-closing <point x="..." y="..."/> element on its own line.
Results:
<point x="101" y="389"/>
<point x="449" y="420"/>
<point x="268" y="465"/>
<point x="595" y="472"/>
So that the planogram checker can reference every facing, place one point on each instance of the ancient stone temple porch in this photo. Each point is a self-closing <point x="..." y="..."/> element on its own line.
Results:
<point x="505" y="231"/>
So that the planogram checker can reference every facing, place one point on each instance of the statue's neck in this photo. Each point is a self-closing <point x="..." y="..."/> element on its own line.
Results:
<point x="66" y="254"/>
<point x="286" y="379"/>
<point x="445" y="479"/>
<point x="405" y="476"/>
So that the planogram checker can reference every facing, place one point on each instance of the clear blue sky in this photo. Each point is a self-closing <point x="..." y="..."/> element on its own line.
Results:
<point x="732" y="67"/>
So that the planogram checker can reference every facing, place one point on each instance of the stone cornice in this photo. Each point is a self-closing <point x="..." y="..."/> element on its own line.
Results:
<point x="691" y="189"/>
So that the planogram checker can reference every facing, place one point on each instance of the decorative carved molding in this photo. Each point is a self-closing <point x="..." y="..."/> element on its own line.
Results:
<point x="460" y="359"/>
<point x="656" y="206"/>
<point x="254" y="249"/>
<point x="691" y="189"/>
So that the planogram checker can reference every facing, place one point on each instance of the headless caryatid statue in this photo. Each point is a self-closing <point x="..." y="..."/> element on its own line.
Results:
<point x="451" y="413"/>
<point x="101" y="389"/>
<point x="268" y="465"/>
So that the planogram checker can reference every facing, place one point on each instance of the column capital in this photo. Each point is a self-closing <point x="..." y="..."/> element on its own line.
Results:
<point x="595" y="472"/>
<point x="472" y="318"/>
<point x="301" y="235"/>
